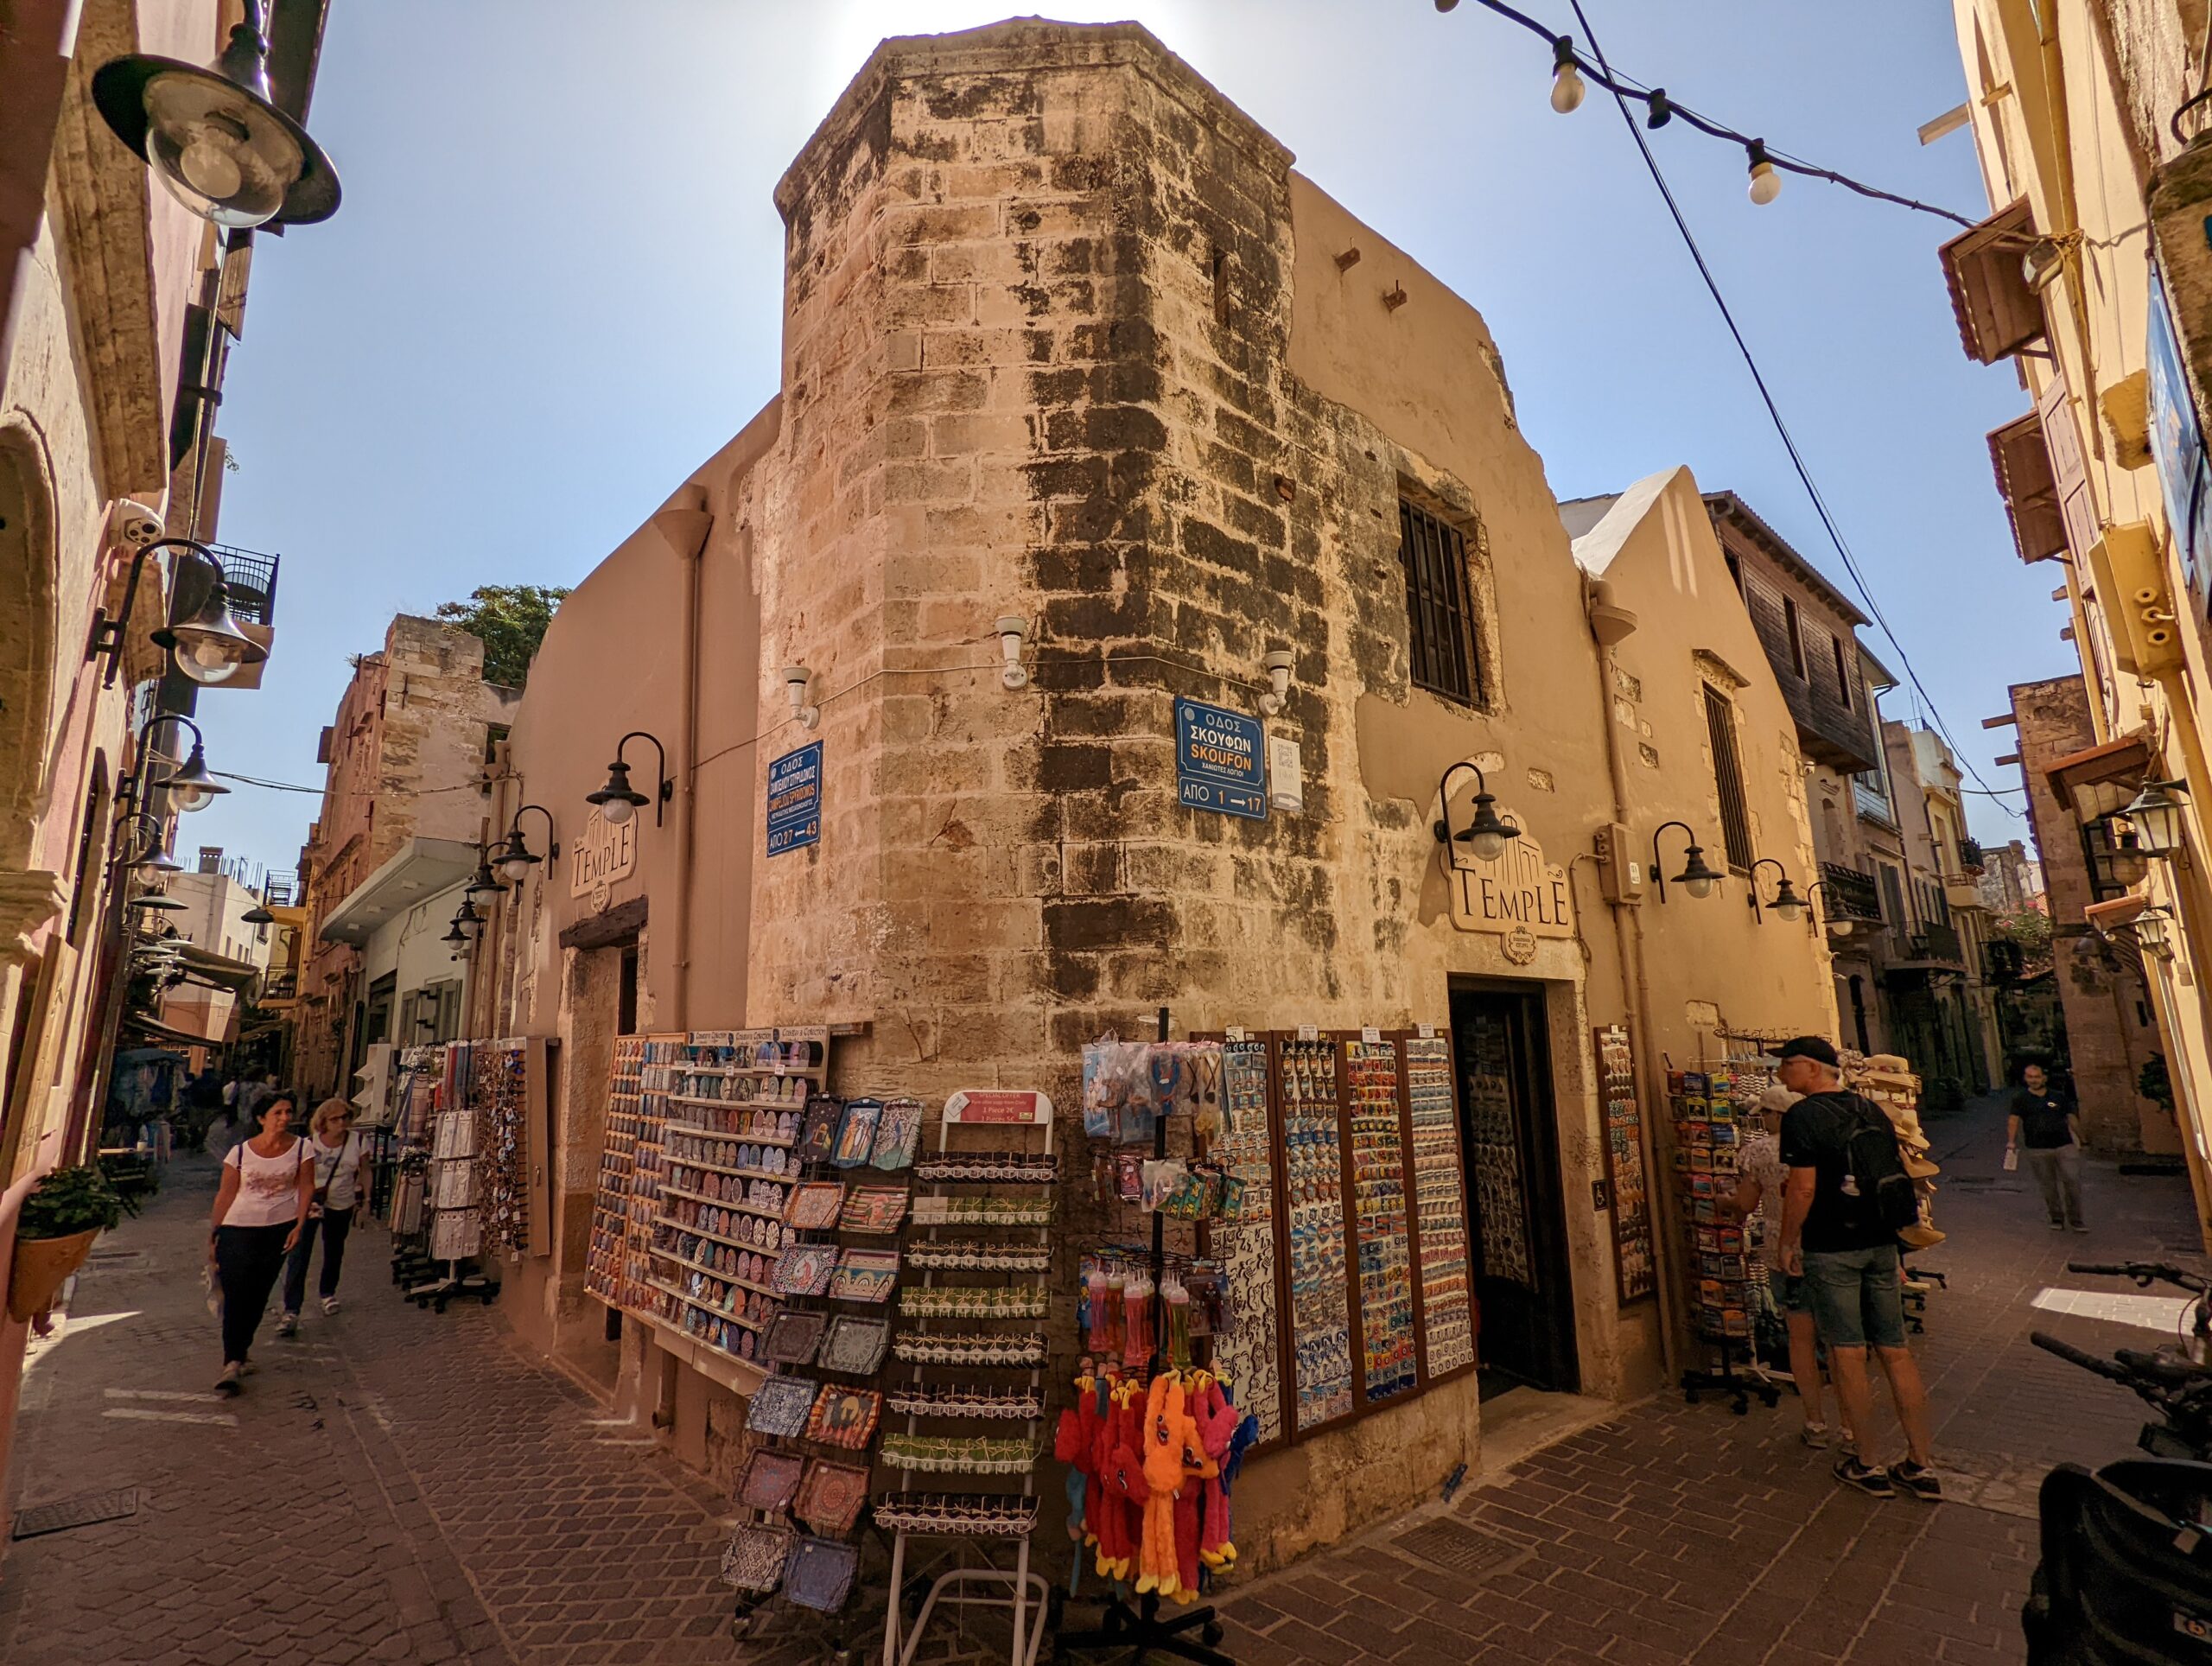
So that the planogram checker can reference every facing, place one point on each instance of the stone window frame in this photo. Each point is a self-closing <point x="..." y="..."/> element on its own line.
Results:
<point x="1485" y="642"/>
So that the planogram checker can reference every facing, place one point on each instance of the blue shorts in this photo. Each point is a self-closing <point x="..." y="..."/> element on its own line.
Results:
<point x="1856" y="1302"/>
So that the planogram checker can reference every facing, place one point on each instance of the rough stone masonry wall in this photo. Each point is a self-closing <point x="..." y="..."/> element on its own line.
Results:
<point x="1037" y="323"/>
<point x="2097" y="995"/>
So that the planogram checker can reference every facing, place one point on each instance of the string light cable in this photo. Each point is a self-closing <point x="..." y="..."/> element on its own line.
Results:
<point x="1765" y="163"/>
<point x="1621" y="95"/>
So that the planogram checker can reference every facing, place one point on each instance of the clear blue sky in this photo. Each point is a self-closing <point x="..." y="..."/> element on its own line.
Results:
<point x="553" y="289"/>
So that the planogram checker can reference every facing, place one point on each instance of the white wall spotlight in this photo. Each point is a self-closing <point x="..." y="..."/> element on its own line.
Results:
<point x="795" y="679"/>
<point x="1278" y="662"/>
<point x="1010" y="630"/>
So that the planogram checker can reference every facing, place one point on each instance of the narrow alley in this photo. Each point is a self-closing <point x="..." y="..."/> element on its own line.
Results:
<point x="403" y="1486"/>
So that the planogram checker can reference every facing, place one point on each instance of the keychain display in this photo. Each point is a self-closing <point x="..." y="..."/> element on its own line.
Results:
<point x="1386" y="1287"/>
<point x="1314" y="1167"/>
<point x="1248" y="1352"/>
<point x="1439" y="1204"/>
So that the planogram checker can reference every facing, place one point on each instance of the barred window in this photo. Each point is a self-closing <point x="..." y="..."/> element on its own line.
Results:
<point x="1728" y="777"/>
<point x="1435" y="557"/>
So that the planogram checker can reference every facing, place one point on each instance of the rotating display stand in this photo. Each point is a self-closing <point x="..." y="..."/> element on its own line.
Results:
<point x="977" y="1216"/>
<point x="1143" y="1629"/>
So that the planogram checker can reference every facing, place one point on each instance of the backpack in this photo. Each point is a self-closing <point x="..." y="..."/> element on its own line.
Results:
<point x="1876" y="1188"/>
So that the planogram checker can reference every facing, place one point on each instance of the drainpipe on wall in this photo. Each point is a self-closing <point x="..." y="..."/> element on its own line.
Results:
<point x="1609" y="625"/>
<point x="684" y="521"/>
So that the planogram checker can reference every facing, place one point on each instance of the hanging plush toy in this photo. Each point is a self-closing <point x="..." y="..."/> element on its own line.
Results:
<point x="1165" y="1421"/>
<point x="1217" y="1421"/>
<point x="1118" y="1520"/>
<point x="1197" y="1468"/>
<point x="1071" y="1447"/>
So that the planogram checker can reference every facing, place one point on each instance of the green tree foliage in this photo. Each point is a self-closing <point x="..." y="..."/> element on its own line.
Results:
<point x="510" y="619"/>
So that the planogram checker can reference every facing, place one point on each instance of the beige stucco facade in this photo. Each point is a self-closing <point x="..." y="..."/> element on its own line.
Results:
<point x="2076" y="114"/>
<point x="1066" y="339"/>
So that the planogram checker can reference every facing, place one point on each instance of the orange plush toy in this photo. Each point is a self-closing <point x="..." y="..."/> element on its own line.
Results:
<point x="1167" y="1431"/>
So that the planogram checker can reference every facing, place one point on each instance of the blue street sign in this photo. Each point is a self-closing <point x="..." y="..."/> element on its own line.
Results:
<point x="1221" y="761"/>
<point x="795" y="799"/>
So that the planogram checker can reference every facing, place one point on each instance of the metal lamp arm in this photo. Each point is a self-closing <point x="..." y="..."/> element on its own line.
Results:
<point x="667" y="787"/>
<point x="514" y="828"/>
<point x="1658" y="865"/>
<point x="1758" y="912"/>
<point x="108" y="635"/>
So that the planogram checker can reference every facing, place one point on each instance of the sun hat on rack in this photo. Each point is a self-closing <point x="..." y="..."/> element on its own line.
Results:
<point x="1920" y="1236"/>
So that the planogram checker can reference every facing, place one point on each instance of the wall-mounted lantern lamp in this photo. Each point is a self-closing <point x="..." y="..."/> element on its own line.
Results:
<point x="2154" y="931"/>
<point x="215" y="138"/>
<point x="1278" y="663"/>
<point x="190" y="788"/>
<point x="161" y="901"/>
<point x="150" y="859"/>
<point x="796" y="678"/>
<point x="1487" y="833"/>
<point x="1839" y="926"/>
<point x="515" y="858"/>
<point x="1695" y="878"/>
<point x="258" y="915"/>
<point x="467" y="921"/>
<point x="208" y="647"/>
<point x="2157" y="816"/>
<point x="485" y="882"/>
<point x="1010" y="630"/>
<point x="1787" y="903"/>
<point x="456" y="937"/>
<point x="618" y="800"/>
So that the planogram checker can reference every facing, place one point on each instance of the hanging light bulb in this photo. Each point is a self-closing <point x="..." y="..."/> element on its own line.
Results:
<point x="1567" y="90"/>
<point x="1766" y="182"/>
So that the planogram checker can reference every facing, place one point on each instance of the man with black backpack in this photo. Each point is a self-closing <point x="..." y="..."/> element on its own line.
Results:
<point x="1846" y="1198"/>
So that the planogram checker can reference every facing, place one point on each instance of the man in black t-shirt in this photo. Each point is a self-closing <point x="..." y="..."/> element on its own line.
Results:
<point x="1834" y="1237"/>
<point x="2044" y="1121"/>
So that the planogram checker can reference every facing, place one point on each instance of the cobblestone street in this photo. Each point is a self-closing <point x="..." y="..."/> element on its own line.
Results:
<point x="403" y="1486"/>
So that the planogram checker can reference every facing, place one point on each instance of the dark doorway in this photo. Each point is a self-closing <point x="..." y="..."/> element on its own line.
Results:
<point x="1516" y="1218"/>
<point x="1859" y="1012"/>
<point x="626" y="993"/>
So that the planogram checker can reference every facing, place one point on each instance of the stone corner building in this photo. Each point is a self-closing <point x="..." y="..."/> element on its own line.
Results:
<point x="1066" y="339"/>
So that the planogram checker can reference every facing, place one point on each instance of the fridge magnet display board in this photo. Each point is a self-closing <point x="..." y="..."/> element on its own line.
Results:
<point x="1634" y="1269"/>
<point x="1250" y="1247"/>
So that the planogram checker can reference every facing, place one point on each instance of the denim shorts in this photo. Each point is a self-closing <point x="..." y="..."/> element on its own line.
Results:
<point x="1856" y="1302"/>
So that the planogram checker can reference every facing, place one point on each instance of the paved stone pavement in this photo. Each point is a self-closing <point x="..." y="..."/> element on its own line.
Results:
<point x="401" y="1486"/>
<point x="1674" y="1534"/>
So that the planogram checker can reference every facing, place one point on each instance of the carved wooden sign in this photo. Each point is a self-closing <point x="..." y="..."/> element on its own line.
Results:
<point x="1517" y="896"/>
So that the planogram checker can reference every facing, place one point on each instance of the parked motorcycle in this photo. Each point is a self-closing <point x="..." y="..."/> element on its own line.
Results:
<point x="2126" y="1574"/>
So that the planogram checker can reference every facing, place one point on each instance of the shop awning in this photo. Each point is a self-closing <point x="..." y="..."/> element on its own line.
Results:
<point x="2025" y="481"/>
<point x="419" y="869"/>
<point x="183" y="1037"/>
<point x="1998" y="313"/>
<point x="2098" y="780"/>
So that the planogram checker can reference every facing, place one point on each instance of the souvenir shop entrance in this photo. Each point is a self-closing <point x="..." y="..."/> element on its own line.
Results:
<point x="1509" y="1135"/>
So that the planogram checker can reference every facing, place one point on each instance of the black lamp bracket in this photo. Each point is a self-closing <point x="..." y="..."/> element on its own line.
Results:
<point x="667" y="787"/>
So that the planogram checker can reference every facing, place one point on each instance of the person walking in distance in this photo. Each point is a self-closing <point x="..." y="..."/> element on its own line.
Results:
<point x="260" y="1204"/>
<point x="2044" y="1121"/>
<point x="341" y="1160"/>
<point x="1845" y="1198"/>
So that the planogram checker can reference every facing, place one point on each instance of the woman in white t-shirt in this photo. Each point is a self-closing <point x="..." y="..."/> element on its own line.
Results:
<point x="260" y="1204"/>
<point x="341" y="1161"/>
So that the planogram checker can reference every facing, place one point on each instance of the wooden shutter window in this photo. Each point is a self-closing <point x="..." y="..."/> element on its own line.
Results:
<point x="1728" y="777"/>
<point x="1440" y="644"/>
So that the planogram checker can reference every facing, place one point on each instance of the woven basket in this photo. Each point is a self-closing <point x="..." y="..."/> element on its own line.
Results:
<point x="41" y="1267"/>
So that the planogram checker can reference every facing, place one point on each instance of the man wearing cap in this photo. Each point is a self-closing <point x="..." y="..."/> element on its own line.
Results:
<point x="2045" y="1121"/>
<point x="1836" y="1241"/>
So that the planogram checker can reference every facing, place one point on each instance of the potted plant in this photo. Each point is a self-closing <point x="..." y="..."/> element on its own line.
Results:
<point x="54" y="1231"/>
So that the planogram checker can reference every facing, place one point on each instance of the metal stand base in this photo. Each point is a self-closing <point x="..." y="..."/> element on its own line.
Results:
<point x="1731" y="1382"/>
<point x="1143" y="1632"/>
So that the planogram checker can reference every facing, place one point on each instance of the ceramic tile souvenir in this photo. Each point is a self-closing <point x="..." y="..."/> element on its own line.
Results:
<point x="866" y="1276"/>
<point x="792" y="1337"/>
<point x="831" y="1497"/>
<point x="804" y="1269"/>
<point x="755" y="1557"/>
<point x="856" y="1133"/>
<point x="814" y="1205"/>
<point x="770" y="1478"/>
<point x="844" y="1417"/>
<point x="781" y="1405"/>
<point x="855" y="1344"/>
<point x="874" y="1209"/>
<point x="819" y="1574"/>
<point x="896" y="1133"/>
